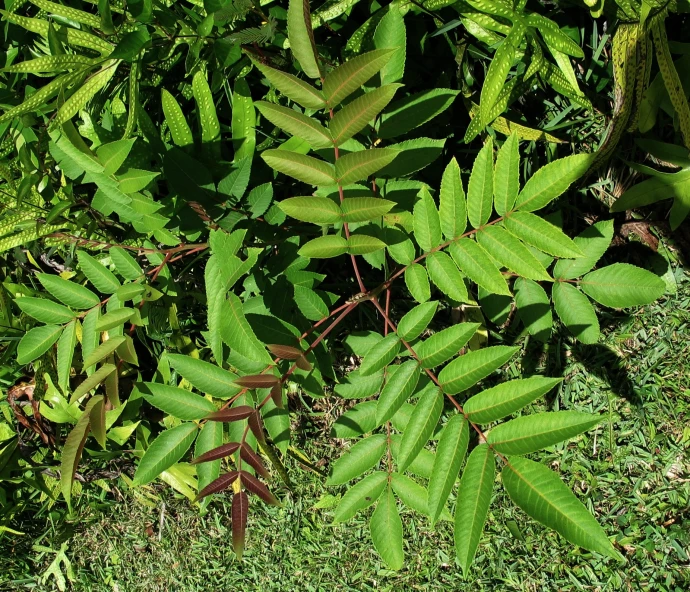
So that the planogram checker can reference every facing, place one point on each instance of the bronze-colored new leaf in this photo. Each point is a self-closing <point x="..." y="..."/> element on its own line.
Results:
<point x="220" y="484"/>
<point x="253" y="459"/>
<point x="216" y="453"/>
<point x="256" y="381"/>
<point x="255" y="486"/>
<point x="256" y="426"/>
<point x="240" y="509"/>
<point x="232" y="414"/>
<point x="285" y="352"/>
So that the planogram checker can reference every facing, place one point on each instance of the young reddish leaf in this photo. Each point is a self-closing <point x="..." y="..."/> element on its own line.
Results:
<point x="256" y="487"/>
<point x="233" y="414"/>
<point x="256" y="426"/>
<point x="257" y="381"/>
<point x="220" y="484"/>
<point x="285" y="352"/>
<point x="253" y="459"/>
<point x="303" y="364"/>
<point x="240" y="509"/>
<point x="277" y="395"/>
<point x="216" y="453"/>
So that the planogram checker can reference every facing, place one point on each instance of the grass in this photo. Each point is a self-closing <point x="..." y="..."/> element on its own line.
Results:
<point x="632" y="471"/>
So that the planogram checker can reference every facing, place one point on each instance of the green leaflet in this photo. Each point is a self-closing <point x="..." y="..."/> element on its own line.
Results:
<point x="450" y="452"/>
<point x="386" y="530"/>
<point x="420" y="426"/>
<point x="362" y="244"/>
<point x="356" y="421"/>
<point x="530" y="433"/>
<point x="446" y="276"/>
<point x="355" y="386"/>
<point x="294" y="88"/>
<point x="68" y="293"/>
<point x="477" y="265"/>
<point x="415" y="110"/>
<point x="551" y="181"/>
<point x="36" y="342"/>
<point x="237" y="333"/>
<point x="210" y="437"/>
<point x="113" y="154"/>
<point x="417" y="282"/>
<point x="397" y="390"/>
<point x="507" y="175"/>
<point x="363" y="209"/>
<point x="593" y="243"/>
<point x="480" y="188"/>
<point x="506" y="398"/>
<point x="115" y="318"/>
<point x="360" y="458"/>
<point x="452" y="206"/>
<point x="622" y="285"/>
<point x="90" y="337"/>
<point x="181" y="134"/>
<point x="355" y="116"/>
<point x="541" y="234"/>
<point x="543" y="496"/>
<point x="498" y="71"/>
<point x="54" y="63"/>
<point x="243" y="121"/>
<point x="72" y="449"/>
<point x="324" y="247"/>
<point x="91" y="382"/>
<point x="44" y="310"/>
<point x="534" y="308"/>
<point x="470" y="368"/>
<point x="102" y="351"/>
<point x="65" y="352"/>
<point x="301" y="37"/>
<point x="125" y="264"/>
<point x="445" y="344"/>
<point x="415" y="321"/>
<point x="474" y="498"/>
<point x="168" y="448"/>
<point x="207" y="377"/>
<point x="303" y="168"/>
<point x="357" y="166"/>
<point x="296" y="124"/>
<point x="361" y="495"/>
<point x="510" y="252"/>
<point x="390" y="33"/>
<point x="382" y="354"/>
<point x="576" y="312"/>
<point x="177" y="402"/>
<point x="310" y="304"/>
<point x="427" y="223"/>
<point x="348" y="77"/>
<point x="99" y="275"/>
<point x="210" y="126"/>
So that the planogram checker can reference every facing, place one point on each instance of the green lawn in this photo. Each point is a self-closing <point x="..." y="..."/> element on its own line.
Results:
<point x="633" y="472"/>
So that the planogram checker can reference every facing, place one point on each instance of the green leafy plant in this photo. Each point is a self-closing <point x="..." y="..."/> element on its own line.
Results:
<point x="177" y="304"/>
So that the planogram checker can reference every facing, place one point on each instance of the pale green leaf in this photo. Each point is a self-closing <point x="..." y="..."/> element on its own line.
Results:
<point x="511" y="253"/>
<point x="167" y="449"/>
<point x="210" y="437"/>
<point x="115" y="318"/>
<point x="481" y="187"/>
<point x="386" y="531"/>
<point x="427" y="223"/>
<point x="390" y="33"/>
<point x="310" y="304"/>
<point x="296" y="124"/>
<point x="179" y="128"/>
<point x="360" y="496"/>
<point x="207" y="377"/>
<point x="356" y="421"/>
<point x="324" y="247"/>
<point x="397" y="390"/>
<point x="415" y="321"/>
<point x="470" y="368"/>
<point x="452" y="206"/>
<point x="507" y="175"/>
<point x="534" y="308"/>
<point x="303" y="168"/>
<point x="68" y="293"/>
<point x="317" y="210"/>
<point x="100" y="276"/>
<point x="91" y="382"/>
<point x="113" y="154"/>
<point x="363" y="209"/>
<point x="348" y="77"/>
<point x="125" y="264"/>
<point x="357" y="166"/>
<point x="292" y="87"/>
<point x="102" y="351"/>
<point x="362" y="244"/>
<point x="446" y="276"/>
<point x="417" y="282"/>
<point x="65" y="352"/>
<point x="445" y="344"/>
<point x="498" y="70"/>
<point x="36" y="342"/>
<point x="593" y="242"/>
<point x="301" y="37"/>
<point x="238" y="334"/>
<point x="44" y="310"/>
<point x="356" y="386"/>
<point x="421" y="425"/>
<point x="541" y="234"/>
<point x="382" y="354"/>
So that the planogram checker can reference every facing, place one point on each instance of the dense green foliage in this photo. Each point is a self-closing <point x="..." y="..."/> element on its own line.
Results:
<point x="175" y="177"/>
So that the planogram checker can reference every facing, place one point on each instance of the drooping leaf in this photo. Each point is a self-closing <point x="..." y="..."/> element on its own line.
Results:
<point x="622" y="285"/>
<point x="474" y="498"/>
<point x="480" y="189"/>
<point x="470" y="368"/>
<point x="361" y="495"/>
<point x="420" y="426"/>
<point x="102" y="351"/>
<point x="360" y="458"/>
<point x="301" y="37"/>
<point x="544" y="497"/>
<point x="167" y="449"/>
<point x="506" y="398"/>
<point x="450" y="452"/>
<point x="477" y="265"/>
<point x="445" y="344"/>
<point x="576" y="312"/>
<point x="210" y="438"/>
<point x="65" y="353"/>
<point x="92" y="381"/>
<point x="239" y="513"/>
<point x="386" y="530"/>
